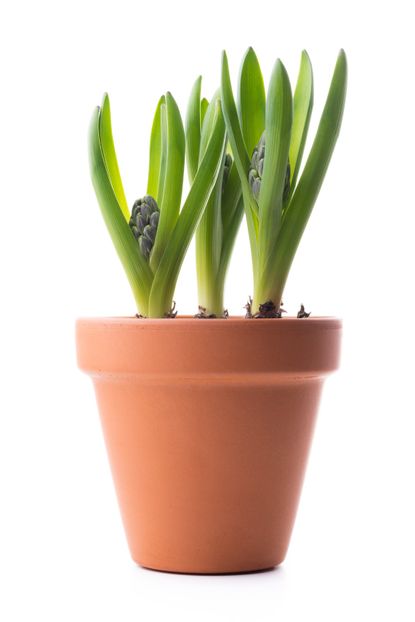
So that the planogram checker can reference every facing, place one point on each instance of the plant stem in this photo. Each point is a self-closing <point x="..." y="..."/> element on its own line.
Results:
<point x="266" y="290"/>
<point x="210" y="296"/>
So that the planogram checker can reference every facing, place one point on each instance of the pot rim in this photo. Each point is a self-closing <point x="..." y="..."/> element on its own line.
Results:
<point x="192" y="346"/>
<point x="323" y="321"/>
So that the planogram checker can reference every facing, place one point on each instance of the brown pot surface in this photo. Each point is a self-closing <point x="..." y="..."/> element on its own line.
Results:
<point x="208" y="425"/>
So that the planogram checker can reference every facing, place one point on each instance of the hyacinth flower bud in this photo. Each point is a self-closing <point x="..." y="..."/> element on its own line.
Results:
<point x="143" y="222"/>
<point x="257" y="168"/>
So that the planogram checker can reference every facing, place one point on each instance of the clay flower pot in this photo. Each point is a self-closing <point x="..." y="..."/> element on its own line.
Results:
<point x="208" y="425"/>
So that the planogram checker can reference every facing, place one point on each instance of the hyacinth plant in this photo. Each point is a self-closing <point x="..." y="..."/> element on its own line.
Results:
<point x="152" y="240"/>
<point x="247" y="160"/>
<point x="267" y="135"/>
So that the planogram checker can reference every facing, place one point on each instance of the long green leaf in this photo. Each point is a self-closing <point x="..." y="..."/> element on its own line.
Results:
<point x="110" y="156"/>
<point x="166" y="276"/>
<point x="210" y="236"/>
<point x="155" y="152"/>
<point x="173" y="183"/>
<point x="233" y="128"/>
<point x="251" y="100"/>
<point x="163" y="153"/>
<point x="193" y="129"/>
<point x="303" y="106"/>
<point x="209" y="231"/>
<point x="208" y="251"/>
<point x="213" y="227"/>
<point x="240" y="155"/>
<point x="308" y="187"/>
<point x="208" y="125"/>
<point x="135" y="266"/>
<point x="277" y="132"/>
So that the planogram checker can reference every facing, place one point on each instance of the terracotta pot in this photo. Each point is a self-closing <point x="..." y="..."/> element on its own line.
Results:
<point x="208" y="425"/>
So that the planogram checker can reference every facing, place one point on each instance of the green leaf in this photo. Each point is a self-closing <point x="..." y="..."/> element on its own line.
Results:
<point x="303" y="106"/>
<point x="277" y="133"/>
<point x="155" y="152"/>
<point x="165" y="279"/>
<point x="299" y="210"/>
<point x="173" y="181"/>
<point x="137" y="270"/>
<point x="193" y="129"/>
<point x="108" y="150"/>
<point x="209" y="231"/>
<point x="209" y="120"/>
<point x="240" y="155"/>
<point x="233" y="128"/>
<point x="163" y="153"/>
<point x="208" y="251"/>
<point x="251" y="101"/>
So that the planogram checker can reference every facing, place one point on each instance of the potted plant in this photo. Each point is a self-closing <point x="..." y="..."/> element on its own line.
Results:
<point x="208" y="424"/>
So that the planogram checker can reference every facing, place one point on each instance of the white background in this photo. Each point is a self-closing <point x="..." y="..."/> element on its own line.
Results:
<point x="62" y="550"/>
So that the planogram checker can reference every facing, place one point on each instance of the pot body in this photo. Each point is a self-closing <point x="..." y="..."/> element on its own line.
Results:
<point x="208" y="425"/>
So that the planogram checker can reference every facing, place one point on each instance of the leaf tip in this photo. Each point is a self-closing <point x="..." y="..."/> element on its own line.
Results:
<point x="169" y="99"/>
<point x="279" y="68"/>
<point x="95" y="117"/>
<point x="342" y="60"/>
<point x="305" y="56"/>
<point x="250" y="53"/>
